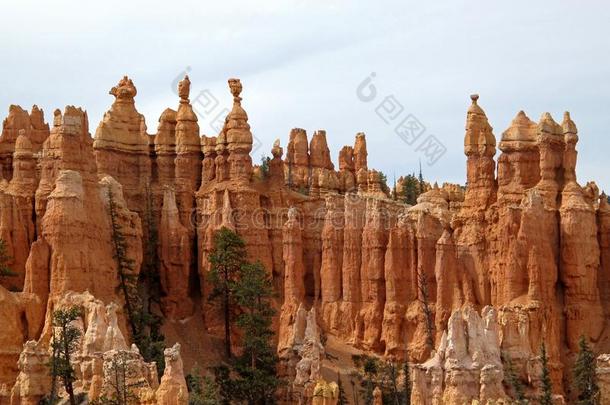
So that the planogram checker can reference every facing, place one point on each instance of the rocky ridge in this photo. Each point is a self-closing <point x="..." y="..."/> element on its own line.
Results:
<point x="523" y="244"/>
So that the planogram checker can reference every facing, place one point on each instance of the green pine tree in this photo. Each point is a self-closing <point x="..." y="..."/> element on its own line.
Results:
<point x="210" y="391"/>
<point x="384" y="183"/>
<point x="585" y="378"/>
<point x="373" y="372"/>
<point x="407" y="387"/>
<point x="256" y="366"/>
<point x="392" y="395"/>
<point x="251" y="377"/>
<point x="125" y="267"/>
<point x="64" y="342"/>
<point x="367" y="374"/>
<point x="410" y="189"/>
<point x="547" y="388"/>
<point x="202" y="390"/>
<point x="5" y="258"/>
<point x="145" y="326"/>
<point x="226" y="259"/>
<point x="265" y="160"/>
<point x="513" y="380"/>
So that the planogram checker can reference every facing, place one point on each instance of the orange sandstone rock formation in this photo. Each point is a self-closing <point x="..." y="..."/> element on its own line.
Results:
<point x="523" y="243"/>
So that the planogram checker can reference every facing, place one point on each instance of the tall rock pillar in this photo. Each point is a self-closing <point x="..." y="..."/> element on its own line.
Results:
<point x="332" y="260"/>
<point x="480" y="148"/>
<point x="400" y="285"/>
<point x="239" y="137"/>
<point x="121" y="146"/>
<point x="354" y="215"/>
<point x="580" y="253"/>
<point x="374" y="241"/>
<point x="294" y="280"/>
<point x="188" y="157"/>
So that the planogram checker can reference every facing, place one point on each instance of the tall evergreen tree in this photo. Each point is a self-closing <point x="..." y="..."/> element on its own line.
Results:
<point x="202" y="390"/>
<point x="410" y="189"/>
<point x="209" y="392"/>
<point x="5" y="270"/>
<point x="251" y="377"/>
<point x="64" y="342"/>
<point x="226" y="259"/>
<point x="585" y="377"/>
<point x="373" y="372"/>
<point x="407" y="387"/>
<point x="125" y="266"/>
<point x="513" y="380"/>
<point x="547" y="388"/>
<point x="265" y="160"/>
<point x="145" y="327"/>
<point x="369" y="368"/>
<point x="390" y="376"/>
<point x="384" y="183"/>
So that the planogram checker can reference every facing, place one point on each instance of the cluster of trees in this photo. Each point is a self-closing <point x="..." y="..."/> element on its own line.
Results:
<point x="202" y="389"/>
<point x="584" y="378"/>
<point x="384" y="183"/>
<point x="393" y="379"/>
<point x="412" y="187"/>
<point x="265" y="166"/>
<point x="244" y="291"/>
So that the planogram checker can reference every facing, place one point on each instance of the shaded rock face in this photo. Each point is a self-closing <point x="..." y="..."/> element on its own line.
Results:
<point x="174" y="256"/>
<point x="22" y="320"/>
<point x="523" y="236"/>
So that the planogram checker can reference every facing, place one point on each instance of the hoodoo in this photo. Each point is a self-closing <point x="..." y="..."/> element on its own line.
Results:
<point x="458" y="283"/>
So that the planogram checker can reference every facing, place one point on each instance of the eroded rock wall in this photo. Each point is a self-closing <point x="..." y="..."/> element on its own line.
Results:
<point x="523" y="239"/>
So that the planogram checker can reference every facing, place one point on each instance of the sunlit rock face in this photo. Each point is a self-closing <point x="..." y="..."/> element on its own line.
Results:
<point x="522" y="240"/>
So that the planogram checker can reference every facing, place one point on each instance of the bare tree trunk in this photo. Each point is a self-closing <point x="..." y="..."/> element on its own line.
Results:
<point x="425" y="300"/>
<point x="227" y="312"/>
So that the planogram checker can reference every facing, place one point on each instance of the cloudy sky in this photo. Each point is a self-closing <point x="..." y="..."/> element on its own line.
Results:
<point x="302" y="62"/>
